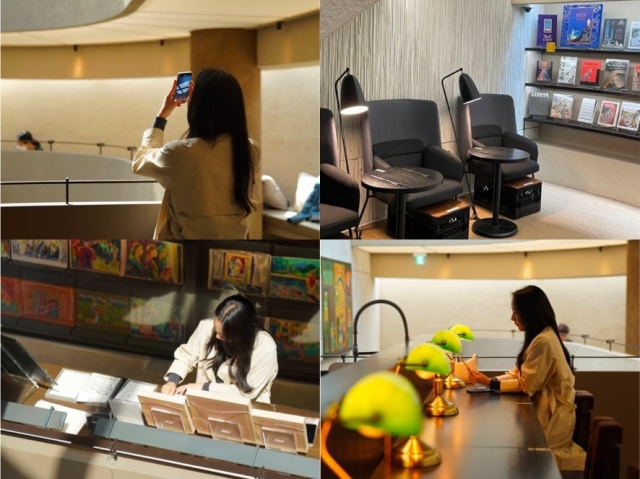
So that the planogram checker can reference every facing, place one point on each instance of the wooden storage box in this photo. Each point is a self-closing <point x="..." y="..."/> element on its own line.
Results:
<point x="518" y="198"/>
<point x="445" y="220"/>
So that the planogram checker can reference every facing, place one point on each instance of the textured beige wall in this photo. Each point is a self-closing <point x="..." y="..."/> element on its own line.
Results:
<point x="297" y="41"/>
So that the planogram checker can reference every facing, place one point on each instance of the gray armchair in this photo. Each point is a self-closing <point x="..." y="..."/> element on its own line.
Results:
<point x="339" y="192"/>
<point x="407" y="133"/>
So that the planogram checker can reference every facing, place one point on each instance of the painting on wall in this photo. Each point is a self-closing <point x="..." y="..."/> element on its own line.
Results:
<point x="154" y="260"/>
<point x="337" y="312"/>
<point x="102" y="311"/>
<point x="101" y="256"/>
<point x="46" y="302"/>
<point x="5" y="249"/>
<point x="11" y="296"/>
<point x="240" y="271"/>
<point x="157" y="319"/>
<point x="42" y="251"/>
<point x="295" y="278"/>
<point x="294" y="339"/>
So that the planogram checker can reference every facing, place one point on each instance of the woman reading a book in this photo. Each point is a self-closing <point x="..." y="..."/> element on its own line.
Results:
<point x="543" y="372"/>
<point x="233" y="354"/>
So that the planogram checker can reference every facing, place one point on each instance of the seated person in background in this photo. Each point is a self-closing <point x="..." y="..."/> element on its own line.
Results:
<point x="563" y="329"/>
<point x="542" y="371"/>
<point x="232" y="353"/>
<point x="25" y="141"/>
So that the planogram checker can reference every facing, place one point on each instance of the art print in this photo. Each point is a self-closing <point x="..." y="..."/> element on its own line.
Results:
<point x="45" y="302"/>
<point x="337" y="313"/>
<point x="581" y="25"/>
<point x="11" y="296"/>
<point x="102" y="311"/>
<point x="5" y="249"/>
<point x="100" y="256"/>
<point x="154" y="260"/>
<point x="608" y="113"/>
<point x="44" y="251"/>
<point x="157" y="319"/>
<point x="634" y="36"/>
<point x="629" y="116"/>
<point x="295" y="278"/>
<point x="243" y="272"/>
<point x="295" y="339"/>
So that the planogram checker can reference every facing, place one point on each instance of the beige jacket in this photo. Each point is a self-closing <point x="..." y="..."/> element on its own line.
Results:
<point x="264" y="364"/>
<point x="198" y="182"/>
<point x="548" y="379"/>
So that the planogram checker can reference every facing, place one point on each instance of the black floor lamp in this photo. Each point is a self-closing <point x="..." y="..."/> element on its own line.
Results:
<point x="352" y="100"/>
<point x="469" y="93"/>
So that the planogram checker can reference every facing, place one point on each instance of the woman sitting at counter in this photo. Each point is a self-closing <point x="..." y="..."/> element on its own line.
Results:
<point x="542" y="371"/>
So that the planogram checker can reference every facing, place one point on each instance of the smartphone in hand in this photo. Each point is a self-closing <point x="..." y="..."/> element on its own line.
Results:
<point x="182" y="86"/>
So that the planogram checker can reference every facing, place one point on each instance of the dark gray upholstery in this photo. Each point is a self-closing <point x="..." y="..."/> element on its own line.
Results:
<point x="491" y="121"/>
<point x="407" y="133"/>
<point x="339" y="192"/>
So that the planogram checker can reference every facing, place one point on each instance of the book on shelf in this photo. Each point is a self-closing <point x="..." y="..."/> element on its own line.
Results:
<point x="561" y="106"/>
<point x="82" y="387"/>
<point x="567" y="70"/>
<point x="544" y="70"/>
<point x="587" y="110"/>
<point x="538" y="104"/>
<point x="608" y="113"/>
<point x="635" y="78"/>
<point x="590" y="72"/>
<point x="634" y="36"/>
<point x="547" y="29"/>
<point x="629" y="116"/>
<point x="166" y="411"/>
<point x="613" y="32"/>
<point x="284" y="432"/>
<point x="615" y="74"/>
<point x="581" y="25"/>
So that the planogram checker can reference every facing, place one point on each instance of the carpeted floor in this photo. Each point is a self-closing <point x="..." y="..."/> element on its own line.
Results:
<point x="565" y="214"/>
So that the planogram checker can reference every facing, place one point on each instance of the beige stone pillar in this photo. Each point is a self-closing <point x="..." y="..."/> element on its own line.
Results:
<point x="234" y="50"/>
<point x="633" y="292"/>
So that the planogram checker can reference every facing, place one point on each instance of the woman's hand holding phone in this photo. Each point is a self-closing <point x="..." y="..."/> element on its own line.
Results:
<point x="170" y="103"/>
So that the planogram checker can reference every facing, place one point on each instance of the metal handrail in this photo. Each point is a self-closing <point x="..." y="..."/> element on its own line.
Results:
<point x="100" y="145"/>
<point x="68" y="182"/>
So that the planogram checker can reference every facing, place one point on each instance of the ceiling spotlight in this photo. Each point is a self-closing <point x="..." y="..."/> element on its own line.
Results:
<point x="419" y="258"/>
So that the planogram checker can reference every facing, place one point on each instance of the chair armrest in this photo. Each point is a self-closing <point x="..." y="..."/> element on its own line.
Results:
<point x="380" y="164"/>
<point x="439" y="159"/>
<point x="513" y="140"/>
<point x="338" y="188"/>
<point x="477" y="144"/>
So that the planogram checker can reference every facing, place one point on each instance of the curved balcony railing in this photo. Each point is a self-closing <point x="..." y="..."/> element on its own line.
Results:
<point x="99" y="145"/>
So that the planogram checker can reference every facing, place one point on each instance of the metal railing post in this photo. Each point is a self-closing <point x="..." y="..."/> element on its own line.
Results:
<point x="585" y="336"/>
<point x="610" y="342"/>
<point x="100" y="145"/>
<point x="66" y="182"/>
<point x="131" y="150"/>
<point x="51" y="142"/>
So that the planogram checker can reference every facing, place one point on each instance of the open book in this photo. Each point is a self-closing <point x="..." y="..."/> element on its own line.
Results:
<point x="78" y="386"/>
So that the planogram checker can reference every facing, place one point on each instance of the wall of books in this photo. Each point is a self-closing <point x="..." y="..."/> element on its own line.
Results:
<point x="147" y="296"/>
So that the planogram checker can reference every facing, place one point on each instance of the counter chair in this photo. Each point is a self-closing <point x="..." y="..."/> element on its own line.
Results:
<point x="339" y="192"/>
<point x="584" y="401"/>
<point x="406" y="133"/>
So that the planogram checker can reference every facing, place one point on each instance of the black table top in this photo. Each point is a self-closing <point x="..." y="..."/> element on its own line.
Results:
<point x="498" y="154"/>
<point x="402" y="180"/>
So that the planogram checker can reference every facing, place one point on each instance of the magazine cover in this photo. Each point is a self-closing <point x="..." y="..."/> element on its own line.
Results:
<point x="634" y="36"/>
<point x="615" y="74"/>
<point x="538" y="104"/>
<point x="567" y="71"/>
<point x="629" y="116"/>
<point x="613" y="32"/>
<point x="635" y="78"/>
<point x="544" y="71"/>
<point x="547" y="29"/>
<point x="608" y="113"/>
<point x="587" y="110"/>
<point x="590" y="72"/>
<point x="581" y="25"/>
<point x="561" y="106"/>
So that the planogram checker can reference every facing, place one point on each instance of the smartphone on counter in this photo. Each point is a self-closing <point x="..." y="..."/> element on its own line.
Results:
<point x="478" y="389"/>
<point x="182" y="86"/>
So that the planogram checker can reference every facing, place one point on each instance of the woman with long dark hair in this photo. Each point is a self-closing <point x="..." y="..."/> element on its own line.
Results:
<point x="232" y="353"/>
<point x="543" y="371"/>
<point x="208" y="176"/>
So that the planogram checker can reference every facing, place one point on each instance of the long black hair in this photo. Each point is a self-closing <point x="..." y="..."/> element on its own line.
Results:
<point x="536" y="313"/>
<point x="239" y="328"/>
<point x="216" y="108"/>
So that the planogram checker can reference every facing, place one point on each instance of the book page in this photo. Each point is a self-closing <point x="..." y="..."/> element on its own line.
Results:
<point x="99" y="388"/>
<point x="130" y="390"/>
<point x="70" y="383"/>
<point x="74" y="421"/>
<point x="587" y="110"/>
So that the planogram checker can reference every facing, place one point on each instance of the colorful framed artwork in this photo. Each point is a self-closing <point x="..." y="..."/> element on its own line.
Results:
<point x="46" y="302"/>
<point x="337" y="312"/>
<point x="100" y="256"/>
<point x="157" y="319"/>
<point x="154" y="260"/>
<point x="581" y="25"/>
<point x="294" y="339"/>
<point x="295" y="278"/>
<point x="102" y="311"/>
<point x="42" y="251"/>
<point x="5" y="249"/>
<point x="241" y="271"/>
<point x="11" y="296"/>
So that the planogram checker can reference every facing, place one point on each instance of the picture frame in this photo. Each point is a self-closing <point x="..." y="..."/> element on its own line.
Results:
<point x="5" y="249"/>
<point x="608" y="113"/>
<point x="295" y="279"/>
<point x="245" y="272"/>
<point x="154" y="260"/>
<point x="98" y="256"/>
<point x="337" y="308"/>
<point x="105" y="312"/>
<point x="46" y="302"/>
<point x="49" y="252"/>
<point x="581" y="25"/>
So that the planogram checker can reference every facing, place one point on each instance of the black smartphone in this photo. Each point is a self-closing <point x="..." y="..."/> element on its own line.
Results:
<point x="478" y="389"/>
<point x="182" y="86"/>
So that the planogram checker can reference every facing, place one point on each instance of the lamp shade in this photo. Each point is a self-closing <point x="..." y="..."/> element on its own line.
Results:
<point x="351" y="97"/>
<point x="428" y="357"/>
<point x="382" y="403"/>
<point x="468" y="90"/>
<point x="448" y="340"/>
<point x="463" y="331"/>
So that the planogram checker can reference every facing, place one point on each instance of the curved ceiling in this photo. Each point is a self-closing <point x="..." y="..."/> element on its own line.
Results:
<point x="168" y="19"/>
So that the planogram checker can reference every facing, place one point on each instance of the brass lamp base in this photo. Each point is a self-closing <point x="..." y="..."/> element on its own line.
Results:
<point x="439" y="406"/>
<point x="414" y="453"/>
<point x="452" y="382"/>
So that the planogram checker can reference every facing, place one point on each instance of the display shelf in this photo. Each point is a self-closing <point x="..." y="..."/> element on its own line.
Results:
<point x="584" y="127"/>
<point x="598" y="51"/>
<point x="585" y="89"/>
